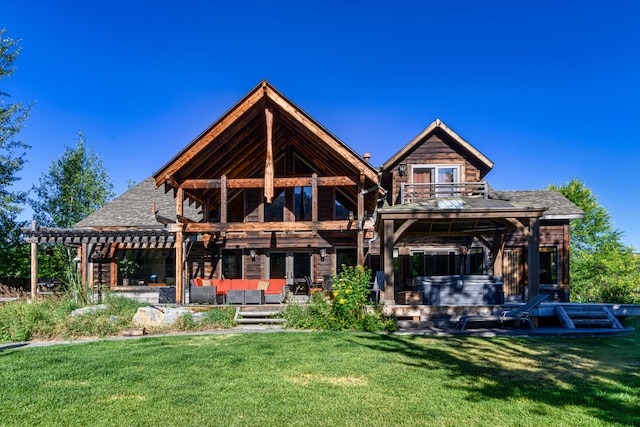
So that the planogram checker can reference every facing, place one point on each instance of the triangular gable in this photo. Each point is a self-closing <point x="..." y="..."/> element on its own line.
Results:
<point x="476" y="155"/>
<point x="234" y="145"/>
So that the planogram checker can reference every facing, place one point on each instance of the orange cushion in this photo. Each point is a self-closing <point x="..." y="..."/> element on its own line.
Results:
<point x="223" y="286"/>
<point x="275" y="286"/>
<point x="197" y="281"/>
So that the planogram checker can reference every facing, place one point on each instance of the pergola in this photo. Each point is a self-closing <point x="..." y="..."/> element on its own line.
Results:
<point x="488" y="220"/>
<point x="93" y="242"/>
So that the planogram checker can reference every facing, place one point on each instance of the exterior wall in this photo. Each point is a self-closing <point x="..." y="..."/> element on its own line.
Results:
<point x="437" y="149"/>
<point x="552" y="233"/>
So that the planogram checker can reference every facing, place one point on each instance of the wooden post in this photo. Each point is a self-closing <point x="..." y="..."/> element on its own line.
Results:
<point x="34" y="262"/>
<point x="223" y="199"/>
<point x="361" y="220"/>
<point x="179" y="265"/>
<point x="179" y="246"/>
<point x="268" y="164"/>
<point x="534" y="257"/>
<point x="387" y="252"/>
<point x="314" y="198"/>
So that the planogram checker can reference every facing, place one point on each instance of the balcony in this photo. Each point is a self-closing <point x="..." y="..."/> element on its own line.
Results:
<point x="410" y="193"/>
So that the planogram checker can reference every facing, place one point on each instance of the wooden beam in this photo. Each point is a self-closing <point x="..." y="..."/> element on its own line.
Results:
<point x="218" y="128"/>
<point x="398" y="233"/>
<point x="223" y="199"/>
<point x="179" y="202"/>
<point x="291" y="226"/>
<point x="341" y="150"/>
<point x="314" y="200"/>
<point x="268" y="164"/>
<point x="285" y="182"/>
<point x="196" y="184"/>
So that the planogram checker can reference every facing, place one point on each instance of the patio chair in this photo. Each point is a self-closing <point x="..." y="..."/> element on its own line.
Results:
<point x="520" y="313"/>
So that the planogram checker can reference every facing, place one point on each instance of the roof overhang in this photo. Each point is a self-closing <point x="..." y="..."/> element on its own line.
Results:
<point x="234" y="145"/>
<point x="438" y="124"/>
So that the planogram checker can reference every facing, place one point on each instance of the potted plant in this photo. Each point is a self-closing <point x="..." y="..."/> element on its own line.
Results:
<point x="127" y="268"/>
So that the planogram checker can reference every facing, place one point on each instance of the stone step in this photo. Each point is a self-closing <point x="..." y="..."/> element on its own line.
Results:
<point x="245" y="313"/>
<point x="259" y="320"/>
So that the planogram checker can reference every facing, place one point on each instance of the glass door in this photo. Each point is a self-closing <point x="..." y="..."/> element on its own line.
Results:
<point x="294" y="266"/>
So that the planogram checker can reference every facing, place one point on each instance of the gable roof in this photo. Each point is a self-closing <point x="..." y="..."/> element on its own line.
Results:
<point x="558" y="206"/>
<point x="133" y="208"/>
<point x="235" y="144"/>
<point x="426" y="133"/>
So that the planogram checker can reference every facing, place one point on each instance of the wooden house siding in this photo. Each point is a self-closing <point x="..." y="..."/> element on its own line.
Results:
<point x="438" y="149"/>
<point x="552" y="233"/>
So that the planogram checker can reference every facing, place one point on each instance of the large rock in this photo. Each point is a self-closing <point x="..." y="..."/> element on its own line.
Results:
<point x="88" y="310"/>
<point x="158" y="316"/>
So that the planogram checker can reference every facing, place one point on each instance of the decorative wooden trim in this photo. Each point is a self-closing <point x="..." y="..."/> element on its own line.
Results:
<point x="268" y="165"/>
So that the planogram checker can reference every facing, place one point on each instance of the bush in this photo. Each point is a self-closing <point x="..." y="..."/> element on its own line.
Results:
<point x="348" y="312"/>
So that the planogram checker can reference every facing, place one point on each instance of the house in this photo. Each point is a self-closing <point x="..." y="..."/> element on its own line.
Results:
<point x="267" y="192"/>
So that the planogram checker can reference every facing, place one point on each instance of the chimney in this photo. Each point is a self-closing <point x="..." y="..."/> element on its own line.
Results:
<point x="367" y="156"/>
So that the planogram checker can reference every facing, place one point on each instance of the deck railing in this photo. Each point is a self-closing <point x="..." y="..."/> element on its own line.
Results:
<point x="415" y="192"/>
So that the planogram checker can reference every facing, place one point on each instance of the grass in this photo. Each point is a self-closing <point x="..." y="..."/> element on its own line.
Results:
<point x="48" y="319"/>
<point x="324" y="379"/>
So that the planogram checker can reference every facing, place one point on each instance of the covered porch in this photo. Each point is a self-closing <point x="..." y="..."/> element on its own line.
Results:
<point x="459" y="221"/>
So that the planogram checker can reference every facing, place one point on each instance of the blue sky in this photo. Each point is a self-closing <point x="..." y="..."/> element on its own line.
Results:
<point x="548" y="90"/>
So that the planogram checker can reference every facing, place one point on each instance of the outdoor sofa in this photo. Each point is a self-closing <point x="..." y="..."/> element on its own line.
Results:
<point x="237" y="291"/>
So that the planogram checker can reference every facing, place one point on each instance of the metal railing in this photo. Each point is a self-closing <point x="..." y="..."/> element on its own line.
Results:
<point x="414" y="192"/>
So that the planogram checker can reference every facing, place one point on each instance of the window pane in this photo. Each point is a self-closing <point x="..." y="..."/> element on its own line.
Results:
<point x="345" y="257"/>
<point x="277" y="265"/>
<point x="549" y="265"/>
<point x="232" y="264"/>
<point x="476" y="261"/>
<point x="303" y="203"/>
<point x="417" y="264"/>
<point x="274" y="211"/>
<point x="448" y="174"/>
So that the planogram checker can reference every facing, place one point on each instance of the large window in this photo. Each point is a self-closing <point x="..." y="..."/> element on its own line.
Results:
<point x="437" y="174"/>
<point x="548" y="265"/>
<point x="232" y="264"/>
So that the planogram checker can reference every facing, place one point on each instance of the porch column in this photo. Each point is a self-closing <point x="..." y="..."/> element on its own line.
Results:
<point x="177" y="228"/>
<point x="534" y="257"/>
<point x="34" y="262"/>
<point x="179" y="264"/>
<point x="387" y="256"/>
<point x="361" y="220"/>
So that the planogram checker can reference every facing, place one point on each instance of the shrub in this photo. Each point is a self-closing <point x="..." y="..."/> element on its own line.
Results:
<point x="347" y="312"/>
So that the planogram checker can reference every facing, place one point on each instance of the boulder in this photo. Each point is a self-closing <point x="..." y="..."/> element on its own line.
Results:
<point x="88" y="310"/>
<point x="158" y="316"/>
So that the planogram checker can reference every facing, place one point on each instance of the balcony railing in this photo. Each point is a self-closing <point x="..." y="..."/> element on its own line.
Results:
<point x="415" y="192"/>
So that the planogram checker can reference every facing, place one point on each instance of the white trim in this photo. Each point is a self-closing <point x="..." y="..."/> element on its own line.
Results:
<point x="437" y="166"/>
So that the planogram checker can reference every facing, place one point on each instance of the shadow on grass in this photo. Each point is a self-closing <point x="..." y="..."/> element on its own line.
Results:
<point x="599" y="375"/>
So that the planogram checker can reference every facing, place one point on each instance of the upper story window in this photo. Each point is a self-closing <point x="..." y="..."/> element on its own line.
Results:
<point x="435" y="174"/>
<point x="434" y="181"/>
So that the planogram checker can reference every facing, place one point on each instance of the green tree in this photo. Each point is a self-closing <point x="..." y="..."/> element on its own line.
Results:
<point x="595" y="230"/>
<point x="603" y="269"/>
<point x="75" y="186"/>
<point x="12" y="159"/>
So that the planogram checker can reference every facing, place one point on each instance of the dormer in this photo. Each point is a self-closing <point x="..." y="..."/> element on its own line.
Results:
<point x="436" y="163"/>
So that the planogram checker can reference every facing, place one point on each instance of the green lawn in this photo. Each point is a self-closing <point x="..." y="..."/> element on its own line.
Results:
<point x="324" y="379"/>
